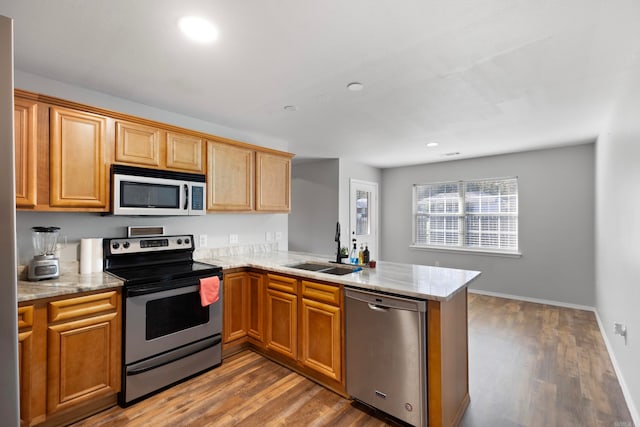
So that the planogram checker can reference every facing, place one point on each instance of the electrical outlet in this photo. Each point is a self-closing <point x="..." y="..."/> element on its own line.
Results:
<point x="278" y="236"/>
<point x="203" y="241"/>
<point x="268" y="236"/>
<point x="620" y="329"/>
<point x="233" y="238"/>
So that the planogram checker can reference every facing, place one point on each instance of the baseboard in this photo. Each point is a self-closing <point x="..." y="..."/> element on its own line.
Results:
<point x="536" y="300"/>
<point x="625" y="390"/>
<point x="623" y="385"/>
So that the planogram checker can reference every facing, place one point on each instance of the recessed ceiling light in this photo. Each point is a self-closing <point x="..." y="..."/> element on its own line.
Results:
<point x="290" y="108"/>
<point x="355" y="86"/>
<point x="198" y="29"/>
<point x="432" y="144"/>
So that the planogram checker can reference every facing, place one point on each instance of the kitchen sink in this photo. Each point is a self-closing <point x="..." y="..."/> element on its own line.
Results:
<point x="338" y="271"/>
<point x="323" y="268"/>
<point x="309" y="266"/>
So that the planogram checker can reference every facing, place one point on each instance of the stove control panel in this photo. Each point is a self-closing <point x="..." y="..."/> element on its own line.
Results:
<point x="150" y="244"/>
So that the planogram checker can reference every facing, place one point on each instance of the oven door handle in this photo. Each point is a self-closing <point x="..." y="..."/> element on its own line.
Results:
<point x="152" y="289"/>
<point x="133" y="372"/>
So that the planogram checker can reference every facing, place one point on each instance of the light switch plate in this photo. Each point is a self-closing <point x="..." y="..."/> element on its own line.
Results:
<point x="233" y="238"/>
<point x="203" y="241"/>
<point x="278" y="236"/>
<point x="268" y="236"/>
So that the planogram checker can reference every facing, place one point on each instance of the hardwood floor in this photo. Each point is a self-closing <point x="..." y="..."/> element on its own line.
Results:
<point x="539" y="365"/>
<point x="530" y="365"/>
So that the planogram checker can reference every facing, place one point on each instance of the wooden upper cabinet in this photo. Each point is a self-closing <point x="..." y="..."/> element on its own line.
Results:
<point x="230" y="172"/>
<point x="273" y="182"/>
<point x="78" y="177"/>
<point x="185" y="152"/>
<point x="25" y="125"/>
<point x="137" y="144"/>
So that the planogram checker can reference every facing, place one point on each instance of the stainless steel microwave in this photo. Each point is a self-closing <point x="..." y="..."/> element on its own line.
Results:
<point x="142" y="191"/>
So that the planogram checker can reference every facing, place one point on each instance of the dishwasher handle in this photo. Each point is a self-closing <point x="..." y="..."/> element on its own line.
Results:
<point x="376" y="307"/>
<point x="385" y="302"/>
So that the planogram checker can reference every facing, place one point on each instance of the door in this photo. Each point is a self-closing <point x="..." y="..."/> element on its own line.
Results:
<point x="363" y="213"/>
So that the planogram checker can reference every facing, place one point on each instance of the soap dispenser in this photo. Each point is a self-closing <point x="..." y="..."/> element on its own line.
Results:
<point x="353" y="258"/>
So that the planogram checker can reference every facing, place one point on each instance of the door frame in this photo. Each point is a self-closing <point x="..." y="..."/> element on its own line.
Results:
<point x="375" y="212"/>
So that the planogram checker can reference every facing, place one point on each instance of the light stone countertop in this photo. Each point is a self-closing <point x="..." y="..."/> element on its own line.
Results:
<point x="67" y="284"/>
<point x="419" y="281"/>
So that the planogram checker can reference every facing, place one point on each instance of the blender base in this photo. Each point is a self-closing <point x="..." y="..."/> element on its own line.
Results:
<point x="42" y="267"/>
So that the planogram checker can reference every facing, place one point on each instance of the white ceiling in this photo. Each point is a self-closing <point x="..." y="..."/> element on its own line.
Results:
<point x="479" y="77"/>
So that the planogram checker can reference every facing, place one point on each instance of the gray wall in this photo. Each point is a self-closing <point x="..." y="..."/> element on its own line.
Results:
<point x="320" y="197"/>
<point x="8" y="308"/>
<point x="555" y="223"/>
<point x="314" y="205"/>
<point x="618" y="234"/>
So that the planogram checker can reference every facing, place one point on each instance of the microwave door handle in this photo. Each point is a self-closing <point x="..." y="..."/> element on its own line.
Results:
<point x="186" y="198"/>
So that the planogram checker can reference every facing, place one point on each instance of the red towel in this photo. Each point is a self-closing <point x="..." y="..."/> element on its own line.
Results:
<point x="209" y="290"/>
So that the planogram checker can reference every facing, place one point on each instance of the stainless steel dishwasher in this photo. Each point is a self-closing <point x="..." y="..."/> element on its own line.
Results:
<point x="386" y="353"/>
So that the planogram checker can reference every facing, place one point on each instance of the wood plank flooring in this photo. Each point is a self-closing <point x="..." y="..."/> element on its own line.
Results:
<point x="530" y="365"/>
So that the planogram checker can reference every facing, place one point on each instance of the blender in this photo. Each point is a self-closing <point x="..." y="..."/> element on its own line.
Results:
<point x="44" y="264"/>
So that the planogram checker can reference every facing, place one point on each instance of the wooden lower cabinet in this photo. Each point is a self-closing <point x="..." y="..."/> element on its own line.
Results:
<point x="235" y="307"/>
<point x="320" y="338"/>
<point x="282" y="322"/>
<point x="69" y="358"/>
<point x="255" y="329"/>
<point x="26" y="360"/>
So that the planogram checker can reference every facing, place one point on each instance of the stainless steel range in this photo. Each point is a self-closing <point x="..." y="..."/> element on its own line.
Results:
<point x="168" y="335"/>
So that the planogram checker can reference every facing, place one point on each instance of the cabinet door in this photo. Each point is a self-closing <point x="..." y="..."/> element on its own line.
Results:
<point x="25" y="361"/>
<point x="137" y="144"/>
<point x="273" y="182"/>
<point x="229" y="177"/>
<point x="184" y="152"/>
<point x="320" y="338"/>
<point x="83" y="350"/>
<point x="25" y="125"/>
<point x="235" y="306"/>
<point x="282" y="322"/>
<point x="256" y="307"/>
<point x="77" y="158"/>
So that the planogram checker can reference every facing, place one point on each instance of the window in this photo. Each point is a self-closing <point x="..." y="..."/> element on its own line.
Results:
<point x="480" y="215"/>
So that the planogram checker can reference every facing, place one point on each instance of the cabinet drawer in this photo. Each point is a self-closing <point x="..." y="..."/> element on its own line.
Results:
<point x="282" y="283"/>
<point x="25" y="317"/>
<point x="83" y="306"/>
<point x="321" y="292"/>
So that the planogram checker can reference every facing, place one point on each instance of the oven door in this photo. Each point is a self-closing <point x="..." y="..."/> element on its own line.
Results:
<point x="163" y="316"/>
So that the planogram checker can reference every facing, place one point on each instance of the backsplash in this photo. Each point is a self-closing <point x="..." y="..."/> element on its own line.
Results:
<point x="252" y="231"/>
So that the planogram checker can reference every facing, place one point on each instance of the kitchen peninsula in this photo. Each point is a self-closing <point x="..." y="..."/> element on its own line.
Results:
<point x="296" y="317"/>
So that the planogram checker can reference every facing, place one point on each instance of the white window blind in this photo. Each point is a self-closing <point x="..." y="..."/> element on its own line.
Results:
<point x="480" y="214"/>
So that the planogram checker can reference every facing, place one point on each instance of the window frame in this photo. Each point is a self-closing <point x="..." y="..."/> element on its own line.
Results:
<point x="462" y="215"/>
